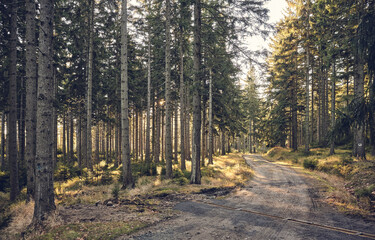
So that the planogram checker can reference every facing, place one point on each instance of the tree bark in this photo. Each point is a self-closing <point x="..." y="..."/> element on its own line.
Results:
<point x="182" y="102"/>
<point x="307" y="113"/>
<point x="89" y="85"/>
<point x="79" y="142"/>
<point x="44" y="192"/>
<point x="176" y="132"/>
<point x="333" y="108"/>
<point x="12" y="105"/>
<point x="203" y="153"/>
<point x="196" y="146"/>
<point x="71" y="145"/>
<point x="168" y="103"/>
<point x="31" y="90"/>
<point x="211" y="140"/>
<point x="222" y="142"/>
<point x="125" y="157"/>
<point x="148" y="121"/>
<point x="2" y="150"/>
<point x="157" y="137"/>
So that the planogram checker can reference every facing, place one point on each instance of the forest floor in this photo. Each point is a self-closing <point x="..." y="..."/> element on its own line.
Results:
<point x="240" y="198"/>
<point x="93" y="212"/>
<point x="278" y="203"/>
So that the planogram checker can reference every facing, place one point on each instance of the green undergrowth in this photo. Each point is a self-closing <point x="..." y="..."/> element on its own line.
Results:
<point x="350" y="182"/>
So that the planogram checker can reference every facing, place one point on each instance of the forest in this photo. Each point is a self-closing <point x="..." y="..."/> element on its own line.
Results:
<point x="112" y="93"/>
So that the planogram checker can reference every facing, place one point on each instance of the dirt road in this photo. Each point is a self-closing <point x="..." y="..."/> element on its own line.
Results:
<point x="276" y="204"/>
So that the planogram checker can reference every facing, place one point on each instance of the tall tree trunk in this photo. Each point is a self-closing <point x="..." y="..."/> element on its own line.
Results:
<point x="182" y="102"/>
<point x="44" y="192"/>
<point x="31" y="89"/>
<point x="211" y="140"/>
<point x="136" y="119"/>
<point x="307" y="113"/>
<point x="359" y="127"/>
<point x="176" y="132"/>
<point x="97" y="149"/>
<point x="371" y="113"/>
<point x="2" y="150"/>
<point x="250" y="136"/>
<point x="148" y="120"/>
<point x="141" y="134"/>
<point x="168" y="103"/>
<point x="117" y="135"/>
<point x="187" y="125"/>
<point x="71" y="153"/>
<point x="125" y="157"/>
<point x="294" y="116"/>
<point x="64" y="136"/>
<point x="12" y="104"/>
<point x="68" y="136"/>
<point x="79" y="141"/>
<point x="157" y="137"/>
<point x="54" y="125"/>
<point x="196" y="146"/>
<point x="21" y="124"/>
<point x="223" y="142"/>
<point x="203" y="153"/>
<point x="89" y="85"/>
<point x="333" y="101"/>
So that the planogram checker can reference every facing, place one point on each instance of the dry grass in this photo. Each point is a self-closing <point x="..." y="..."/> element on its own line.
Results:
<point x="22" y="215"/>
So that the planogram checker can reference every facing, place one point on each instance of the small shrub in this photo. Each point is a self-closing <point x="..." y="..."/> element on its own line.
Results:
<point x="347" y="160"/>
<point x="177" y="173"/>
<point x="364" y="192"/>
<point x="181" y="181"/>
<point x="310" y="164"/>
<point x="187" y="174"/>
<point x="62" y="173"/>
<point x="106" y="178"/>
<point x="116" y="191"/>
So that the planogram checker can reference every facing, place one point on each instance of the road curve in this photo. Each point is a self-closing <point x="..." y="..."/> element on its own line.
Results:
<point x="276" y="204"/>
